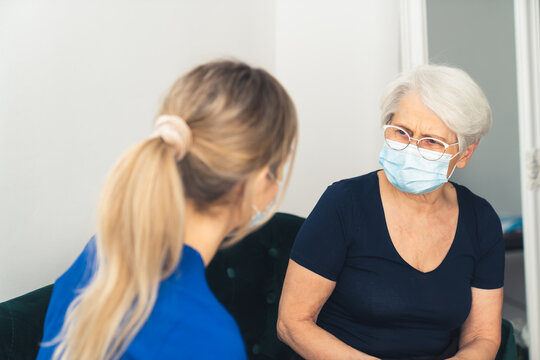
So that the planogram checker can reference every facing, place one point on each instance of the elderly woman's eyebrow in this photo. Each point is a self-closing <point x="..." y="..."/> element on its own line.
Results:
<point x="422" y="135"/>
<point x="438" y="137"/>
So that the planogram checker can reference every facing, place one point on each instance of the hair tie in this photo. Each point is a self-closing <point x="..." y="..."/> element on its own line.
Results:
<point x="175" y="132"/>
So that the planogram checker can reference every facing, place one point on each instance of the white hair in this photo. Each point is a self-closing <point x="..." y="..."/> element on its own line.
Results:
<point x="450" y="93"/>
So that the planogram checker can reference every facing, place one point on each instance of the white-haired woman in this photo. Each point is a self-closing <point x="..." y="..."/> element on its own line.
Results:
<point x="400" y="263"/>
<point x="138" y="290"/>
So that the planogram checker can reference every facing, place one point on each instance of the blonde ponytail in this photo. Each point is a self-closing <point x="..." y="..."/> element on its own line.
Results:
<point x="141" y="227"/>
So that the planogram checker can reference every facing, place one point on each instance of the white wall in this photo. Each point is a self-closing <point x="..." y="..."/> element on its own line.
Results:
<point x="335" y="59"/>
<point x="81" y="82"/>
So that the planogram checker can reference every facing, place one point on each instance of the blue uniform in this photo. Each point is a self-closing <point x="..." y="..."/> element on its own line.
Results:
<point x="187" y="321"/>
<point x="381" y="305"/>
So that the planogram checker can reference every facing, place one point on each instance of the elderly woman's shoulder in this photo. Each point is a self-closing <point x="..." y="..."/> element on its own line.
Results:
<point x="367" y="184"/>
<point x="483" y="210"/>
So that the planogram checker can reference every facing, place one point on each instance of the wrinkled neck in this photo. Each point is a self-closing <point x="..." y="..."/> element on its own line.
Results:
<point x="420" y="203"/>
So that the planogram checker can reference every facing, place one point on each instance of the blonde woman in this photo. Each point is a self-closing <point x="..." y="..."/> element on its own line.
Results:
<point x="215" y="161"/>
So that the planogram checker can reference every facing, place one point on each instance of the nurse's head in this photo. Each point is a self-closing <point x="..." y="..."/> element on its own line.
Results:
<point x="442" y="106"/>
<point x="222" y="137"/>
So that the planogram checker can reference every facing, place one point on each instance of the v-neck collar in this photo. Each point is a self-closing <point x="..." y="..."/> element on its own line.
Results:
<point x="391" y="243"/>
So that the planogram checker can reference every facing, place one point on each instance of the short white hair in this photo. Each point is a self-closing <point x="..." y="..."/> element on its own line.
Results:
<point x="450" y="93"/>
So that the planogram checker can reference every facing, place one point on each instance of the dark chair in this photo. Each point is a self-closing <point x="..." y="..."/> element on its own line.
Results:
<point x="21" y="324"/>
<point x="247" y="279"/>
<point x="508" y="349"/>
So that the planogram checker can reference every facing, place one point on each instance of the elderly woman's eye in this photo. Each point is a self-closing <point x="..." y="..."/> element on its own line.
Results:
<point x="402" y="132"/>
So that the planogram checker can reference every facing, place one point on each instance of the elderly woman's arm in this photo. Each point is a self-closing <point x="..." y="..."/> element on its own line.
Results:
<point x="304" y="294"/>
<point x="481" y="332"/>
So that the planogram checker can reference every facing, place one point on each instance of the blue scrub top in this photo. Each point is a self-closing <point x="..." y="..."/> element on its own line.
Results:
<point x="381" y="305"/>
<point x="187" y="321"/>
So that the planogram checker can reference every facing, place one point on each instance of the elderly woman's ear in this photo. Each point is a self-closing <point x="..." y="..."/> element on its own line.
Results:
<point x="464" y="158"/>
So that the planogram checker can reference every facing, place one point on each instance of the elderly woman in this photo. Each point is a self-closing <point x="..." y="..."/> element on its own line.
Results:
<point x="400" y="263"/>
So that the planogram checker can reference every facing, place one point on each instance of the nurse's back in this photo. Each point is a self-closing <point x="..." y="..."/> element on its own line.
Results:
<point x="138" y="290"/>
<point x="185" y="319"/>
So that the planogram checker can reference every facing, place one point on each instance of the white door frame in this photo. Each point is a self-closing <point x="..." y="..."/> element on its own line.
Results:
<point x="527" y="35"/>
<point x="413" y="26"/>
<point x="414" y="51"/>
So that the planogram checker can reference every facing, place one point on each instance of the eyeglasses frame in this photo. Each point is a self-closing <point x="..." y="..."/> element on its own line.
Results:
<point x="446" y="146"/>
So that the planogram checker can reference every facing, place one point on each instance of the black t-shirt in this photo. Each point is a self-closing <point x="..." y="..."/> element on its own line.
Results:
<point x="381" y="305"/>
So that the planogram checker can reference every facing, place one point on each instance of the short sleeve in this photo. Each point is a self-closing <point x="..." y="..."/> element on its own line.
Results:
<point x="320" y="245"/>
<point x="489" y="267"/>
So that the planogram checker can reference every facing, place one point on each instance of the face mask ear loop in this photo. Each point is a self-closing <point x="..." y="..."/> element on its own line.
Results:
<point x="454" y="169"/>
<point x="453" y="156"/>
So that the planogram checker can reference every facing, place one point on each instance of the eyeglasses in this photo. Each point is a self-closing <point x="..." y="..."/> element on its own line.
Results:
<point x="429" y="148"/>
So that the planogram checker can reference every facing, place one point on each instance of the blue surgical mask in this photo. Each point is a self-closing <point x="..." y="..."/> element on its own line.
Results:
<point x="259" y="216"/>
<point x="408" y="171"/>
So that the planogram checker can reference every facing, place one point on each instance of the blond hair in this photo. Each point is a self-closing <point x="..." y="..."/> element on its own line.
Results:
<point x="241" y="120"/>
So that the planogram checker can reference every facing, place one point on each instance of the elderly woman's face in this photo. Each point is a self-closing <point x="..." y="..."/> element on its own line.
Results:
<point x="419" y="121"/>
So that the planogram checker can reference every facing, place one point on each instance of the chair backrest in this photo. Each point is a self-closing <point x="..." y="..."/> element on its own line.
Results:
<point x="247" y="279"/>
<point x="21" y="324"/>
<point x="508" y="348"/>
